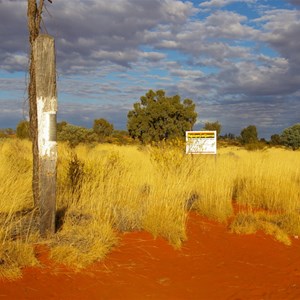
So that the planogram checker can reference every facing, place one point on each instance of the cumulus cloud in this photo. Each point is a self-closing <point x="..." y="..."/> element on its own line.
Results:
<point x="190" y="74"/>
<point x="78" y="113"/>
<point x="280" y="30"/>
<point x="228" y="25"/>
<point x="216" y="36"/>
<point x="88" y="32"/>
<point x="251" y="79"/>
<point x="222" y="3"/>
<point x="110" y="52"/>
<point x="12" y="112"/>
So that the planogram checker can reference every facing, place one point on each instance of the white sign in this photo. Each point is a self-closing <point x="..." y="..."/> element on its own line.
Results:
<point x="201" y="142"/>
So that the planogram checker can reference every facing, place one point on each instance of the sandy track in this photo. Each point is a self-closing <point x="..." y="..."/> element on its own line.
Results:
<point x="212" y="264"/>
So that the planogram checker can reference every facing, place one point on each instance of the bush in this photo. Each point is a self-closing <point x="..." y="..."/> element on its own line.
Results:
<point x="103" y="128"/>
<point x="249" y="135"/>
<point x="290" y="137"/>
<point x="75" y="135"/>
<point x="255" y="146"/>
<point x="23" y="130"/>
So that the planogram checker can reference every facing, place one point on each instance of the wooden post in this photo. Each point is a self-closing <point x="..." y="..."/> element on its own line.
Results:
<point x="46" y="99"/>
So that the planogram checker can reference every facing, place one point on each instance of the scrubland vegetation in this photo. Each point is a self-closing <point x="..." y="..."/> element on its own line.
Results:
<point x="105" y="189"/>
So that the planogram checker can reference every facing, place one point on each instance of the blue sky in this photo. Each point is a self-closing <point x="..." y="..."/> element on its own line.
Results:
<point x="238" y="61"/>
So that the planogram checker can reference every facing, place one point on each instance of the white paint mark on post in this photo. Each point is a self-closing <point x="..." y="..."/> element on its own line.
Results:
<point x="46" y="142"/>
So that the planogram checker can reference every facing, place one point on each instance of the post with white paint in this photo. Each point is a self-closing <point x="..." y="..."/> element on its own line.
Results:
<point x="45" y="75"/>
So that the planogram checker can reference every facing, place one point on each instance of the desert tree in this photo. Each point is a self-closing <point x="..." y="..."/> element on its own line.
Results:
<point x="290" y="137"/>
<point x="158" y="117"/>
<point x="103" y="128"/>
<point x="74" y="135"/>
<point x="275" y="140"/>
<point x="213" y="126"/>
<point x="249" y="135"/>
<point x="22" y="130"/>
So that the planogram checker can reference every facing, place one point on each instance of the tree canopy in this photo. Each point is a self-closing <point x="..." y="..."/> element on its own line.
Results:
<point x="158" y="117"/>
<point x="23" y="130"/>
<point x="290" y="137"/>
<point x="103" y="128"/>
<point x="75" y="135"/>
<point x="213" y="126"/>
<point x="275" y="140"/>
<point x="249" y="135"/>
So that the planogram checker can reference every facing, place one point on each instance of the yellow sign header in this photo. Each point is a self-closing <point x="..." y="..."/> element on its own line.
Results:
<point x="201" y="135"/>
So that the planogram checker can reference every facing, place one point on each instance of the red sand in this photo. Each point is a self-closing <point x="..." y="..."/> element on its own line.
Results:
<point x="213" y="264"/>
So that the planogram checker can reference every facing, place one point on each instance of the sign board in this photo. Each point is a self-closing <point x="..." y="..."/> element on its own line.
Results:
<point x="201" y="142"/>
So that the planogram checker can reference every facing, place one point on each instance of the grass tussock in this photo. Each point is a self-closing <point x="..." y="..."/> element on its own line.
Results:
<point x="165" y="215"/>
<point x="15" y="255"/>
<point x="82" y="240"/>
<point x="204" y="182"/>
<point x="15" y="171"/>
<point x="280" y="226"/>
<point x="269" y="180"/>
<point x="105" y="189"/>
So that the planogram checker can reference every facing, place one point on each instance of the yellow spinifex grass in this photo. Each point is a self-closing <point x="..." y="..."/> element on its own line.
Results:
<point x="82" y="241"/>
<point x="14" y="255"/>
<point x="15" y="197"/>
<point x="280" y="226"/>
<point x="104" y="189"/>
<point x="122" y="185"/>
<point x="269" y="180"/>
<point x="152" y="188"/>
<point x="205" y="182"/>
<point x="15" y="175"/>
<point x="213" y="182"/>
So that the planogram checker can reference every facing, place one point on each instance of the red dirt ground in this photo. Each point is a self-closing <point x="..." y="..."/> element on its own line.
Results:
<point x="213" y="264"/>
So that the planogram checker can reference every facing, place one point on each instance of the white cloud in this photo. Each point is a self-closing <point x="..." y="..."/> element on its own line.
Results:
<point x="153" y="56"/>
<point x="222" y="3"/>
<point x="187" y="74"/>
<point x="13" y="62"/>
<point x="225" y="24"/>
<point x="113" y="51"/>
<point x="281" y="29"/>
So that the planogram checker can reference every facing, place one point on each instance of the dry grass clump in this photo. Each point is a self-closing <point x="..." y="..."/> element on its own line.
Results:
<point x="205" y="181"/>
<point x="121" y="185"/>
<point x="269" y="180"/>
<point x="214" y="187"/>
<point x="109" y="188"/>
<point x="104" y="189"/>
<point x="15" y="255"/>
<point x="165" y="214"/>
<point x="22" y="226"/>
<point x="82" y="240"/>
<point x="17" y="231"/>
<point x="15" y="176"/>
<point x="280" y="226"/>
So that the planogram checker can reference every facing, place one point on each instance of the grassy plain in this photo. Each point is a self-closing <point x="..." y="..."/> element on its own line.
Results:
<point x="104" y="189"/>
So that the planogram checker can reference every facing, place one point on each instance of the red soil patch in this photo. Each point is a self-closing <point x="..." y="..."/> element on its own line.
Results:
<point x="212" y="264"/>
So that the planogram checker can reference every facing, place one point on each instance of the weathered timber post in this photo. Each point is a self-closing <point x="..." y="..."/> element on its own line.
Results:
<point x="34" y="14"/>
<point x="46" y="102"/>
